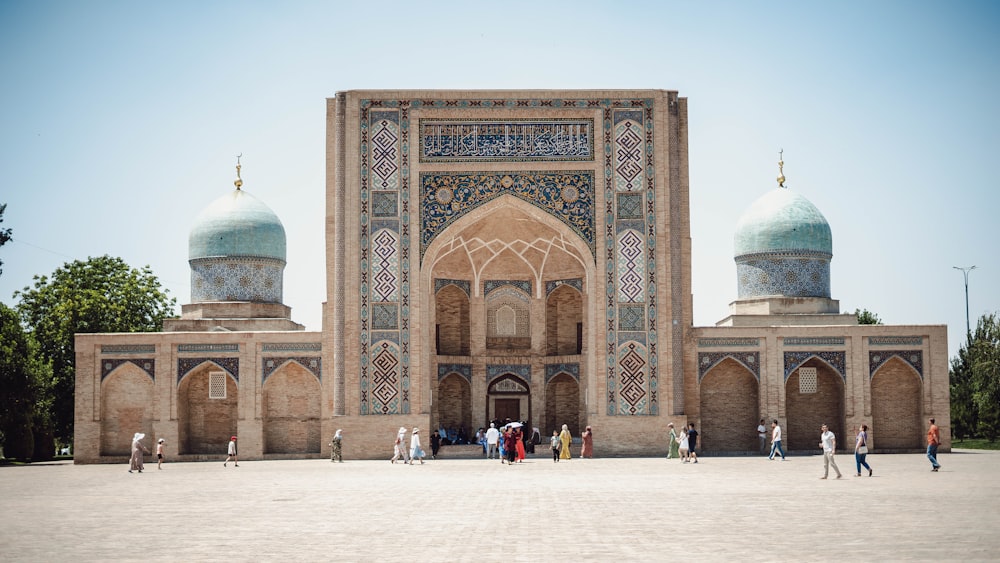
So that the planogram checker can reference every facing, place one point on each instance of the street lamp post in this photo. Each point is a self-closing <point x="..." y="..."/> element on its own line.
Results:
<point x="965" y="273"/>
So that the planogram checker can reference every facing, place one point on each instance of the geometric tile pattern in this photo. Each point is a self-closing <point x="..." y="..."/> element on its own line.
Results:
<point x="630" y="206"/>
<point x="895" y="340"/>
<point x="445" y="197"/>
<point x="915" y="358"/>
<point x="464" y="285"/>
<point x="836" y="360"/>
<point x="386" y="393"/>
<point x="632" y="318"/>
<point x="147" y="365"/>
<point x="385" y="266"/>
<point x="385" y="316"/>
<point x="385" y="153"/>
<point x="796" y="275"/>
<point x="629" y="157"/>
<point x="230" y="365"/>
<point x="271" y="364"/>
<point x="128" y="349"/>
<point x="631" y="267"/>
<point x="808" y="341"/>
<point x="443" y="140"/>
<point x="740" y="342"/>
<point x="494" y="371"/>
<point x="708" y="360"/>
<point x="385" y="204"/>
<point x="236" y="279"/>
<point x="634" y="392"/>
<point x="489" y="286"/>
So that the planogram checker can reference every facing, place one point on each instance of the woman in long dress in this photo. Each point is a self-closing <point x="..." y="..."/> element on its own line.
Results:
<point x="135" y="463"/>
<point x="519" y="436"/>
<point x="588" y="444"/>
<point x="416" y="452"/>
<point x="566" y="440"/>
<point x="683" y="446"/>
<point x="674" y="445"/>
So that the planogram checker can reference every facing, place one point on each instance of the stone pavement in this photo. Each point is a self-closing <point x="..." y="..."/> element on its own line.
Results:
<point x="625" y="509"/>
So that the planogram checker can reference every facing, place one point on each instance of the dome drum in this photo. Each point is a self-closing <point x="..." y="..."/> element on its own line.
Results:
<point x="784" y="274"/>
<point x="237" y="279"/>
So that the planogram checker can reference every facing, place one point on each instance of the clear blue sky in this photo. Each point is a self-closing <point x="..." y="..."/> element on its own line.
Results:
<point x="120" y="121"/>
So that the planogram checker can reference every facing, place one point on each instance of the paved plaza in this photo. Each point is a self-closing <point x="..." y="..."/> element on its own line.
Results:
<point x="620" y="509"/>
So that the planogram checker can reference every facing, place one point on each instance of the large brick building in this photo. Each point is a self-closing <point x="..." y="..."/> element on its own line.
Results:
<point x="507" y="254"/>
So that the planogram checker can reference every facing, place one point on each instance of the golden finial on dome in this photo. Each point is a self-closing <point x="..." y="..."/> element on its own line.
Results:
<point x="781" y="171"/>
<point x="239" y="181"/>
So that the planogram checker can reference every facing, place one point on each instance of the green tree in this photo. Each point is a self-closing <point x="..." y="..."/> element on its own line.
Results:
<point x="5" y="234"/>
<point x="26" y="383"/>
<point x="984" y="363"/>
<point x="866" y="317"/>
<point x="101" y="294"/>
<point x="964" y="420"/>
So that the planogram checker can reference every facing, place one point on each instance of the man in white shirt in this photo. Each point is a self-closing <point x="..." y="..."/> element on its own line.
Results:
<point x="492" y="437"/>
<point x="776" y="440"/>
<point x="762" y="437"/>
<point x="829" y="444"/>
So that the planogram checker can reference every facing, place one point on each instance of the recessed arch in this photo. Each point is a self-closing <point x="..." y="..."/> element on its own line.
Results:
<point x="729" y="408"/>
<point x="897" y="423"/>
<point x="127" y="400"/>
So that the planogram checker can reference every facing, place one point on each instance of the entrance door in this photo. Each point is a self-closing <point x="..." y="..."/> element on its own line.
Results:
<point x="507" y="408"/>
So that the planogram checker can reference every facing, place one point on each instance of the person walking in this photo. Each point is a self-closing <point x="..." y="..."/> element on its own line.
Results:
<point x="692" y="442"/>
<point x="159" y="453"/>
<point x="933" y="441"/>
<point x="776" y="440"/>
<point x="566" y="438"/>
<point x="861" y="450"/>
<point x="399" y="449"/>
<point x="682" y="447"/>
<point x="762" y="437"/>
<point x="492" y="441"/>
<point x="436" y="443"/>
<point x="135" y="463"/>
<point x="828" y="441"/>
<point x="510" y="445"/>
<point x="556" y="444"/>
<point x="416" y="452"/>
<point x="673" y="443"/>
<point x="231" y="453"/>
<point x="587" y="451"/>
<point x="519" y="443"/>
<point x="335" y="446"/>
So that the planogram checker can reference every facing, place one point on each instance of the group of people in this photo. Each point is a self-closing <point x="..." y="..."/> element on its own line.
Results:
<point x="683" y="445"/>
<point x="135" y="462"/>
<point x="411" y="454"/>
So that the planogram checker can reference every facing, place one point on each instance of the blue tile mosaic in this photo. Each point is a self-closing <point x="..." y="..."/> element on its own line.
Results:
<point x="451" y="140"/>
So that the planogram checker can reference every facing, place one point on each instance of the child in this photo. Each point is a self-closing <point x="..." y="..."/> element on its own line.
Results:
<point x="556" y="445"/>
<point x="159" y="453"/>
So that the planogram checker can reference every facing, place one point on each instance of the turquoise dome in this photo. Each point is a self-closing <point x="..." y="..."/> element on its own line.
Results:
<point x="237" y="225"/>
<point x="783" y="221"/>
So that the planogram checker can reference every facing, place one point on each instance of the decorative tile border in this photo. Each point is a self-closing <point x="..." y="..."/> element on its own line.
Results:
<point x="464" y="370"/>
<point x="489" y="286"/>
<point x="724" y="342"/>
<point x="271" y="364"/>
<point x="293" y="347"/>
<point x="708" y="360"/>
<point x="464" y="285"/>
<point x="508" y="140"/>
<point x="808" y="341"/>
<point x="551" y="286"/>
<point x="147" y="365"/>
<point x="229" y="365"/>
<point x="494" y="371"/>
<point x="895" y="341"/>
<point x="571" y="369"/>
<point x="128" y="348"/>
<point x="914" y="358"/>
<point x="836" y="360"/>
<point x="208" y="348"/>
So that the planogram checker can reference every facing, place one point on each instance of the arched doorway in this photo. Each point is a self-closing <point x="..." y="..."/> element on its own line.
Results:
<point x="564" y="321"/>
<point x="896" y="416"/>
<point x="562" y="405"/>
<point x="814" y="396"/>
<point x="207" y="400"/>
<point x="126" y="408"/>
<point x="291" y="397"/>
<point x="509" y="397"/>
<point x="729" y="405"/>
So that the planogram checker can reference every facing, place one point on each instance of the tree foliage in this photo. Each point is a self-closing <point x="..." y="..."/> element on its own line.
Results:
<point x="26" y="382"/>
<point x="101" y="294"/>
<point x="5" y="234"/>
<point x="866" y="317"/>
<point x="975" y="382"/>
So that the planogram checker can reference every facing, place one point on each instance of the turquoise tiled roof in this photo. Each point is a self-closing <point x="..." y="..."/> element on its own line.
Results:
<point x="783" y="221"/>
<point x="237" y="224"/>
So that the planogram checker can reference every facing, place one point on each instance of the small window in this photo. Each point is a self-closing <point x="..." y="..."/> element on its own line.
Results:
<point x="807" y="380"/>
<point x="217" y="385"/>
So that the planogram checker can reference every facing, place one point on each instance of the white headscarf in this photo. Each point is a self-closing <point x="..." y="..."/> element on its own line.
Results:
<point x="138" y="436"/>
